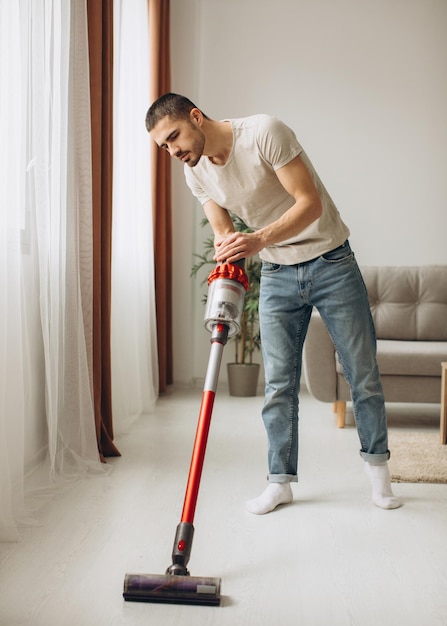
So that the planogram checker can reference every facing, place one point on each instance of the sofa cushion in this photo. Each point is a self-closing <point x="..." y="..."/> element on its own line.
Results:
<point x="408" y="303"/>
<point x="409" y="358"/>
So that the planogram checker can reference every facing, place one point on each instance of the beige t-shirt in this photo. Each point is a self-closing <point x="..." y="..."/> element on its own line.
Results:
<point x="248" y="186"/>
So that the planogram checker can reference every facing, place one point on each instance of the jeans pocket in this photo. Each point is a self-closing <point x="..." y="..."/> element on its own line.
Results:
<point x="342" y="253"/>
<point x="269" y="268"/>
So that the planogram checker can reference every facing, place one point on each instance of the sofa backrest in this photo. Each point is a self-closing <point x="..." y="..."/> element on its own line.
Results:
<point x="408" y="303"/>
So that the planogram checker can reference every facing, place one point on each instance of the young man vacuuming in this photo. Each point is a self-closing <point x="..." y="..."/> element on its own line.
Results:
<point x="255" y="168"/>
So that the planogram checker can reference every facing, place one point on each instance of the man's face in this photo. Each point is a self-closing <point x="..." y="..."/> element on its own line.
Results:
<point x="182" y="138"/>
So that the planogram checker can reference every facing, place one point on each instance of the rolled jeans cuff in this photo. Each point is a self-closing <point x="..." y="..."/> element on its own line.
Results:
<point x="282" y="478"/>
<point x="375" y="459"/>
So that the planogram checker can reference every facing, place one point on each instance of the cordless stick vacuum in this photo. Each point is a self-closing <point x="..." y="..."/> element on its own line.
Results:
<point x="227" y="285"/>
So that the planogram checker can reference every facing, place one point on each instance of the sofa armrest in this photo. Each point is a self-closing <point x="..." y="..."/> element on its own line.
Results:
<point x="319" y="361"/>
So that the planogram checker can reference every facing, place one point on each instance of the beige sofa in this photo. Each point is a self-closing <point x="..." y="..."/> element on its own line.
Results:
<point x="409" y="307"/>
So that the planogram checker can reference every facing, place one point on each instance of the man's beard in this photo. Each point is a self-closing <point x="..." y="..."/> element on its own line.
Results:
<point x="198" y="147"/>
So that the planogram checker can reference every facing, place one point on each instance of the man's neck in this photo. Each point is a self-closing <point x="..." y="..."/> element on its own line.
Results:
<point x="219" y="141"/>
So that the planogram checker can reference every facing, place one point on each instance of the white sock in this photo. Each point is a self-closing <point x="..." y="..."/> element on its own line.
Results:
<point x="273" y="495"/>
<point x="382" y="494"/>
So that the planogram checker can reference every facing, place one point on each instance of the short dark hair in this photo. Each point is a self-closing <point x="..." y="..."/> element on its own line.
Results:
<point x="172" y="105"/>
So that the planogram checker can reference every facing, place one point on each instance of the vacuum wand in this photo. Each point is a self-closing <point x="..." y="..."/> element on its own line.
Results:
<point x="185" y="530"/>
<point x="227" y="286"/>
<point x="218" y="340"/>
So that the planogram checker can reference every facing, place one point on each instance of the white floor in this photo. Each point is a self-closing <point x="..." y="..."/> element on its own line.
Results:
<point x="329" y="559"/>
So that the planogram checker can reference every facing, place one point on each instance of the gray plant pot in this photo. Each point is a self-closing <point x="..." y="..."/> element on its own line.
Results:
<point x="243" y="378"/>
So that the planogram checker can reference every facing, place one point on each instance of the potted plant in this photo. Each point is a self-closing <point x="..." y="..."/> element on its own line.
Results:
<point x="243" y="374"/>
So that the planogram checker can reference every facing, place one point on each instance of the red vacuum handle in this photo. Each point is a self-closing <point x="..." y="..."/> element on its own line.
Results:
<point x="198" y="456"/>
<point x="218" y="341"/>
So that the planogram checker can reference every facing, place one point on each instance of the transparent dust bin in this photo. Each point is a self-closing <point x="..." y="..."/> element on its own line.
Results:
<point x="225" y="304"/>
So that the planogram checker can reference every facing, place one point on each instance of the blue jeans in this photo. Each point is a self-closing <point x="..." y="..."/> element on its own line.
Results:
<point x="334" y="285"/>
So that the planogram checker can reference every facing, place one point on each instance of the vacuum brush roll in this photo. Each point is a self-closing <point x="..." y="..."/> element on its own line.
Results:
<point x="172" y="589"/>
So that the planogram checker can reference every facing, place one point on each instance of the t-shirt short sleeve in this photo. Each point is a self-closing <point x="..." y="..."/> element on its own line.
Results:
<point x="277" y="142"/>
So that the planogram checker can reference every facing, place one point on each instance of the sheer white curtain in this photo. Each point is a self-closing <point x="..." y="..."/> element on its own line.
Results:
<point x="45" y="187"/>
<point x="60" y="150"/>
<point x="12" y="197"/>
<point x="134" y="340"/>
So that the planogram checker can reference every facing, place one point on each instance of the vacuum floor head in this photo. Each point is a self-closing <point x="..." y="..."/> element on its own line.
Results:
<point x="172" y="589"/>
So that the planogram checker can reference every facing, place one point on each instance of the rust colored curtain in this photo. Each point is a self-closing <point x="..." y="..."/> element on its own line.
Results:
<point x="100" y="36"/>
<point x="159" y="42"/>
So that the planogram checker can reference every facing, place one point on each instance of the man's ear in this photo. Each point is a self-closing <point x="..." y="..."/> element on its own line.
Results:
<point x="196" y="116"/>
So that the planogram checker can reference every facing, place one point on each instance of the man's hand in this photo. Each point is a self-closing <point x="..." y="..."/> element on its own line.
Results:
<point x="238" y="246"/>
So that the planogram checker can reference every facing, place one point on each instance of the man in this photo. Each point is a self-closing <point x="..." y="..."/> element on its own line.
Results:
<point x="255" y="168"/>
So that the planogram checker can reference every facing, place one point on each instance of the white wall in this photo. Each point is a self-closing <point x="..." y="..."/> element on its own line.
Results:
<point x="362" y="83"/>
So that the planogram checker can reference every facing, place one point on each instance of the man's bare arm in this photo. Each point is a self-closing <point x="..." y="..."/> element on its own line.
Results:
<point x="220" y="221"/>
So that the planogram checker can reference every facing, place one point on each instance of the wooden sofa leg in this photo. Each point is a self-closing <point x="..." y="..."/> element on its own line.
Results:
<point x="340" y="409"/>
<point x="444" y="404"/>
